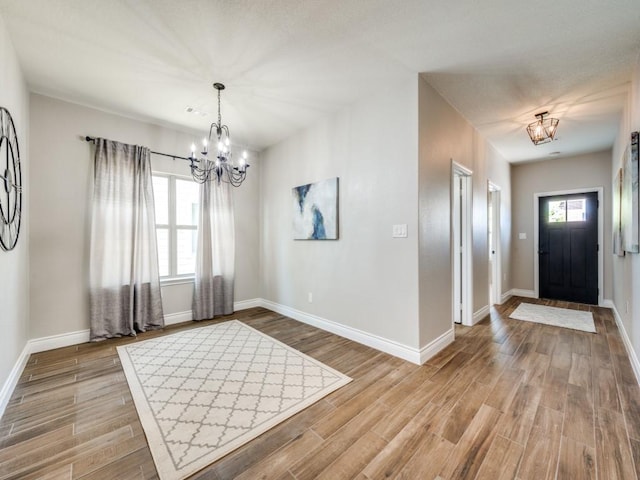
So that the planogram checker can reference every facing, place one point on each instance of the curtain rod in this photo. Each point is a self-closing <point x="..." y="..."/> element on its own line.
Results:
<point x="93" y="140"/>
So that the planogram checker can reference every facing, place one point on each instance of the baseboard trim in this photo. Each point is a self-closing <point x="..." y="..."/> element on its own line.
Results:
<point x="36" y="345"/>
<point x="480" y="314"/>
<point x="606" y="303"/>
<point x="437" y="345"/>
<point x="506" y="296"/>
<point x="178" y="317"/>
<point x="633" y="358"/>
<point x="396" y="349"/>
<point x="245" y="304"/>
<point x="11" y="382"/>
<point x="519" y="292"/>
<point x="187" y="315"/>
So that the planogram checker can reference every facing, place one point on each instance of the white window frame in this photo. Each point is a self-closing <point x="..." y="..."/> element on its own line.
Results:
<point x="174" y="278"/>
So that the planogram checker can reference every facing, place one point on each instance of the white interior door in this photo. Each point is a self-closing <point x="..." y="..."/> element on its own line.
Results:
<point x="456" y="220"/>
<point x="493" y="224"/>
<point x="461" y="245"/>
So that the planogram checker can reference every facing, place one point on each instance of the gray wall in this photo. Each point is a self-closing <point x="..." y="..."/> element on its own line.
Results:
<point x="366" y="280"/>
<point x="626" y="270"/>
<point x="558" y="174"/>
<point x="444" y="135"/>
<point x="62" y="177"/>
<point x="14" y="265"/>
<point x="397" y="289"/>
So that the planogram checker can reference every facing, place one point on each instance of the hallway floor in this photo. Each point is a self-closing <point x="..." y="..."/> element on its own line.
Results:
<point x="508" y="399"/>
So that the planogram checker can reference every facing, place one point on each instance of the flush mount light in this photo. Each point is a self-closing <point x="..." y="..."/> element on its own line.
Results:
<point x="543" y="130"/>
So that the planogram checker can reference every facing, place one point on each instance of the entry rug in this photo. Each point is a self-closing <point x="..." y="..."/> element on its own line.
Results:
<point x="204" y="392"/>
<point x="559" y="317"/>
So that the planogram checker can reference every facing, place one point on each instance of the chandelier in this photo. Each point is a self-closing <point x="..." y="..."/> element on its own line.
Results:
<point x="544" y="130"/>
<point x="220" y="166"/>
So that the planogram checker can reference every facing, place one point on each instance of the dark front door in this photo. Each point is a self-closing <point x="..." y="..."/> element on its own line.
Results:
<point x="568" y="247"/>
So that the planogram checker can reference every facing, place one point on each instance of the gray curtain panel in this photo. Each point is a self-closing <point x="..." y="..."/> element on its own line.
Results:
<point x="215" y="256"/>
<point x="124" y="282"/>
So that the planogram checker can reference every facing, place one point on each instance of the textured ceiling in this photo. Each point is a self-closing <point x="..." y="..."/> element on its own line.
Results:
<point x="286" y="63"/>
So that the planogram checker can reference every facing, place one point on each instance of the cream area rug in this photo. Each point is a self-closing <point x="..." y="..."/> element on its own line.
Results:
<point x="559" y="317"/>
<point x="204" y="392"/>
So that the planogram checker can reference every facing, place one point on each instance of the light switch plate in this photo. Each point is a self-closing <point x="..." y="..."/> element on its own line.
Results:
<point x="400" y="231"/>
<point x="522" y="236"/>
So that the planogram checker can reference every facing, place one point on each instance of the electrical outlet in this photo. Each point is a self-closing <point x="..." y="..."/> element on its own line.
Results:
<point x="310" y="297"/>
<point x="627" y="307"/>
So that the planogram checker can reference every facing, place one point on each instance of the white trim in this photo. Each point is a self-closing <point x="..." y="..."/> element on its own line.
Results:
<point x="178" y="317"/>
<point x="187" y="316"/>
<point x="245" y="304"/>
<point x="536" y="221"/>
<point x="481" y="313"/>
<point x="11" y="382"/>
<point x="519" y="292"/>
<point x="607" y="303"/>
<point x="633" y="358"/>
<point x="52" y="342"/>
<point x="506" y="296"/>
<point x="169" y="281"/>
<point x="495" y="259"/>
<point x="36" y="345"/>
<point x="437" y="345"/>
<point x="396" y="349"/>
<point x="466" y="244"/>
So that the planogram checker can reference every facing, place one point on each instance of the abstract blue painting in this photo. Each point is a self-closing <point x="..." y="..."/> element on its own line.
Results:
<point x="315" y="210"/>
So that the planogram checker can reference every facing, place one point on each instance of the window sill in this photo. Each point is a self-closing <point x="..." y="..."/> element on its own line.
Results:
<point x="167" y="281"/>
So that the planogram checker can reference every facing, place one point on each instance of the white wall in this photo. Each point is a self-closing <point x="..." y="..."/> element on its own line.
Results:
<point x="14" y="265"/>
<point x="569" y="173"/>
<point x="366" y="280"/>
<point x="626" y="270"/>
<point x="62" y="177"/>
<point x="444" y="135"/>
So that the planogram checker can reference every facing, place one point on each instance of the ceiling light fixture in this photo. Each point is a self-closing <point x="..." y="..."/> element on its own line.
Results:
<point x="222" y="167"/>
<point x="543" y="130"/>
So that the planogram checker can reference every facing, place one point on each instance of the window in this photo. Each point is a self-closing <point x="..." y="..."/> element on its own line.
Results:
<point x="574" y="210"/>
<point x="176" y="206"/>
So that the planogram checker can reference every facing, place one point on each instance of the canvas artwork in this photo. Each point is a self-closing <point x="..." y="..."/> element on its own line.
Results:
<point x="630" y="207"/>
<point x="315" y="210"/>
<point x="618" y="242"/>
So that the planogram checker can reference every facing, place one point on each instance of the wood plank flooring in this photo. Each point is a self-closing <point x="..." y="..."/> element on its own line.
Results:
<point x="508" y="400"/>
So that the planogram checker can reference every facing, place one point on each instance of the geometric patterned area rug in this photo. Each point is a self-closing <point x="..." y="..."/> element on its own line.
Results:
<point x="559" y="317"/>
<point x="204" y="392"/>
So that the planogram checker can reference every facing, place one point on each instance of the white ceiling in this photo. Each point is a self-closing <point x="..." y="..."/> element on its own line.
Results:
<point x="286" y="63"/>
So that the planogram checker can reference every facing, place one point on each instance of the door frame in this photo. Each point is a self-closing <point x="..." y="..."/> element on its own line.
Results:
<point x="536" y="236"/>
<point x="466" y="257"/>
<point x="495" y="193"/>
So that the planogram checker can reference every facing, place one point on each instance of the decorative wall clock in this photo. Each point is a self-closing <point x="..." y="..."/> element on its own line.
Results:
<point x="10" y="183"/>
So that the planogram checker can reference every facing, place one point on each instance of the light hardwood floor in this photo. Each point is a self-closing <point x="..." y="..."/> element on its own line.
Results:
<point x="508" y="399"/>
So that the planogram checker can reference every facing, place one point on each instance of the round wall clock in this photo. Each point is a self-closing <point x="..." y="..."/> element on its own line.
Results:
<point x="10" y="182"/>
